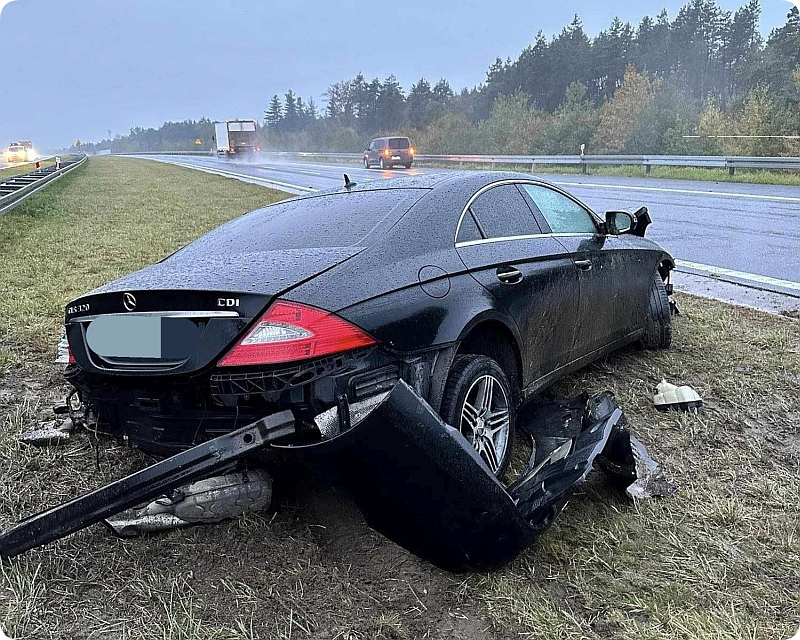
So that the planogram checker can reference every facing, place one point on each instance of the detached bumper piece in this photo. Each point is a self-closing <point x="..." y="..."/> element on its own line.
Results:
<point x="421" y="483"/>
<point x="416" y="480"/>
<point x="147" y="484"/>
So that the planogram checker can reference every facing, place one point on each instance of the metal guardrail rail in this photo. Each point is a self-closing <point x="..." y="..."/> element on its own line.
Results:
<point x="16" y="189"/>
<point x="731" y="163"/>
<point x="722" y="162"/>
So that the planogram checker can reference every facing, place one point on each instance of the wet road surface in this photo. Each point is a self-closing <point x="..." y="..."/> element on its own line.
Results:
<point x="751" y="232"/>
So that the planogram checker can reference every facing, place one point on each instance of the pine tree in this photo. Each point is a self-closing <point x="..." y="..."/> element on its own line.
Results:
<point x="274" y="113"/>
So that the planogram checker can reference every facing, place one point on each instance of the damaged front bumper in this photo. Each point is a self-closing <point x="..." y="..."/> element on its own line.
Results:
<point x="416" y="480"/>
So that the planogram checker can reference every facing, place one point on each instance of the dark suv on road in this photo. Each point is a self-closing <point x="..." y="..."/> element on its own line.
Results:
<point x="387" y="152"/>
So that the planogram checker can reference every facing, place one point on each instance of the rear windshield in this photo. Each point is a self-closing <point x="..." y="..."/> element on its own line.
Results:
<point x="337" y="220"/>
<point x="399" y="143"/>
<point x="15" y="148"/>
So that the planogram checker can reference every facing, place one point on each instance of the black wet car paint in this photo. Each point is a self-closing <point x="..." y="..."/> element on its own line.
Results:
<point x="401" y="278"/>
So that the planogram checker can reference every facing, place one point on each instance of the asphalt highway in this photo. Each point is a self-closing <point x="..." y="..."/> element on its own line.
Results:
<point x="740" y="233"/>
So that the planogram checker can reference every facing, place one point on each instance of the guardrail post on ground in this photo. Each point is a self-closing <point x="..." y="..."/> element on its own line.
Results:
<point x="731" y="170"/>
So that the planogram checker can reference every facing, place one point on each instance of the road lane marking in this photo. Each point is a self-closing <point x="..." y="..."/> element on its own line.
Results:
<point x="722" y="272"/>
<point x="725" y="194"/>
<point x="233" y="174"/>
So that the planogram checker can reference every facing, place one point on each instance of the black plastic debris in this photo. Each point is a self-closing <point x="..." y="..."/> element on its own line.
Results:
<point x="416" y="479"/>
<point x="421" y="483"/>
<point x="625" y="460"/>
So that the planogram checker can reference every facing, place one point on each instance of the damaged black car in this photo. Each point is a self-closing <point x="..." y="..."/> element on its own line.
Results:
<point x="396" y="327"/>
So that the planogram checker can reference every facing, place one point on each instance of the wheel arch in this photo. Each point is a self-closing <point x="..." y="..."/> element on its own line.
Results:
<point x="665" y="265"/>
<point x="492" y="337"/>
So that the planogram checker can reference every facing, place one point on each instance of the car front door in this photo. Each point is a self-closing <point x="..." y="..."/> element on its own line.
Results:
<point x="610" y="293"/>
<point x="528" y="272"/>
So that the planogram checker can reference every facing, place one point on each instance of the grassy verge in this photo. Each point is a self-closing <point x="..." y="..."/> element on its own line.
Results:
<point x="114" y="216"/>
<point x="720" y="560"/>
<point x="18" y="169"/>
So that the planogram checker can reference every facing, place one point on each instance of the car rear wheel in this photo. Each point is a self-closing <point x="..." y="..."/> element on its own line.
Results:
<point x="366" y="163"/>
<point x="478" y="401"/>
<point x="407" y="166"/>
<point x="658" y="326"/>
<point x="383" y="164"/>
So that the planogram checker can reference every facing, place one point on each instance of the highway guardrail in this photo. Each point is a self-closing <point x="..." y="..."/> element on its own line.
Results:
<point x="16" y="189"/>
<point x="722" y="162"/>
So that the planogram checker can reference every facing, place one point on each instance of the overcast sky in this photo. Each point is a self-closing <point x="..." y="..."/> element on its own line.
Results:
<point x="79" y="68"/>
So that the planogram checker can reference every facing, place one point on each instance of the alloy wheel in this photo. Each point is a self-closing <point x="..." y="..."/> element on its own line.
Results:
<point x="486" y="420"/>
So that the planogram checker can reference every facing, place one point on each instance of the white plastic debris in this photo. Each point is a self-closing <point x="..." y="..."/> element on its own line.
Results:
<point x="48" y="433"/>
<point x="201" y="502"/>
<point x="63" y="351"/>
<point x="668" y="396"/>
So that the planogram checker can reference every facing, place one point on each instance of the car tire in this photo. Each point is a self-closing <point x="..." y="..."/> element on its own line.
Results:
<point x="407" y="166"/>
<point x="366" y="163"/>
<point x="658" y="326"/>
<point x="383" y="165"/>
<point x="465" y="386"/>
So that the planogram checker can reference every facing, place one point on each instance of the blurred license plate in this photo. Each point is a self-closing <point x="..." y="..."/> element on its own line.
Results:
<point x="395" y="157"/>
<point x="142" y="337"/>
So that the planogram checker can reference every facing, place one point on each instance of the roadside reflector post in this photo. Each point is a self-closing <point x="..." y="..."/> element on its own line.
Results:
<point x="58" y="162"/>
<point x="583" y="159"/>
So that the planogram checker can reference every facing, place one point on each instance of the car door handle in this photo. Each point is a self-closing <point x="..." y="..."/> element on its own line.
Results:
<point x="509" y="275"/>
<point x="584" y="265"/>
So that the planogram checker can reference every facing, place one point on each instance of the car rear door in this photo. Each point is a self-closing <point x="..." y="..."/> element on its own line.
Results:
<point x="610" y="293"/>
<point x="528" y="272"/>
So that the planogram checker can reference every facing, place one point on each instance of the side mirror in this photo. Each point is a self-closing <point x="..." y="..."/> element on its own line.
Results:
<point x="618" y="222"/>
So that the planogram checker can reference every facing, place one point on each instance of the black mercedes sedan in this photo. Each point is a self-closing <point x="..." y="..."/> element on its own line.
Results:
<point x="476" y="289"/>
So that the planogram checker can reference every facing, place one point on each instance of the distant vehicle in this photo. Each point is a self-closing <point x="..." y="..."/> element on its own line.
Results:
<point x="235" y="137"/>
<point x="32" y="155"/>
<point x="16" y="153"/>
<point x="387" y="152"/>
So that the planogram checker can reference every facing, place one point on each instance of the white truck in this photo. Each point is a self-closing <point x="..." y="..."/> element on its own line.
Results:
<point x="235" y="138"/>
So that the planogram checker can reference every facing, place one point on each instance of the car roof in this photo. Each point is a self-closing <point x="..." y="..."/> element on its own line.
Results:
<point x="467" y="182"/>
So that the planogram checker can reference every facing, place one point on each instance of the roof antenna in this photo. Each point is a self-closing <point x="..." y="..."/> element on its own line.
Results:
<point x="348" y="184"/>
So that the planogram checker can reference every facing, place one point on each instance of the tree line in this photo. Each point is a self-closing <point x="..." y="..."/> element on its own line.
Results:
<point x="705" y="82"/>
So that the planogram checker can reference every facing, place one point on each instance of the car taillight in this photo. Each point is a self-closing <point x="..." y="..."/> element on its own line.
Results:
<point x="290" y="331"/>
<point x="70" y="357"/>
<point x="387" y="153"/>
<point x="411" y="151"/>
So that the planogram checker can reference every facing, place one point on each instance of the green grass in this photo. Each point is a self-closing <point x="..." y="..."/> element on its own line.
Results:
<point x="111" y="217"/>
<point x="718" y="561"/>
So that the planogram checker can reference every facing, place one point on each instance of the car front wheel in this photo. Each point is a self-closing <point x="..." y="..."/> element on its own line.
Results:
<point x="658" y="326"/>
<point x="478" y="401"/>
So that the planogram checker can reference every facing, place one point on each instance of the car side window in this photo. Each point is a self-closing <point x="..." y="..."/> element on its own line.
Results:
<point x="469" y="229"/>
<point x="502" y="212"/>
<point x="562" y="214"/>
